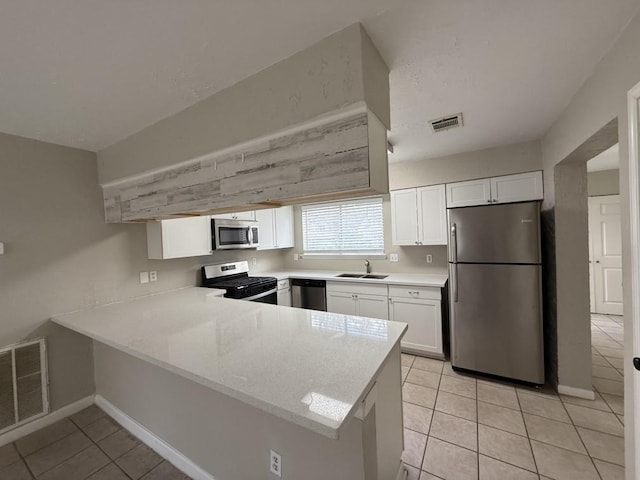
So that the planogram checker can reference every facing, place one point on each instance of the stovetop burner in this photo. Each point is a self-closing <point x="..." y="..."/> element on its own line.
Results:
<point x="234" y="278"/>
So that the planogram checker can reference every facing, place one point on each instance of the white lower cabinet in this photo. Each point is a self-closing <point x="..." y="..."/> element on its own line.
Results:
<point x="420" y="308"/>
<point x="361" y="299"/>
<point x="284" y="293"/>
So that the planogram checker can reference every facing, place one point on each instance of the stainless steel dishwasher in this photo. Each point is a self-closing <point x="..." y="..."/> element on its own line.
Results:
<point x="310" y="294"/>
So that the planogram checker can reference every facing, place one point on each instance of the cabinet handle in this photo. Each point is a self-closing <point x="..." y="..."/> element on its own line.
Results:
<point x="414" y="292"/>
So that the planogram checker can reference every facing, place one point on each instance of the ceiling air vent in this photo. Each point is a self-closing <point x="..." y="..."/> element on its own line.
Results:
<point x="445" y="123"/>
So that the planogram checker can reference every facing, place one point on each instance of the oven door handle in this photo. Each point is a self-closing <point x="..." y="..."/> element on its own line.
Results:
<point x="263" y="294"/>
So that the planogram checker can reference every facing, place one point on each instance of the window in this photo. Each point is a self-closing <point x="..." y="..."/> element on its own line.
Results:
<point x="343" y="228"/>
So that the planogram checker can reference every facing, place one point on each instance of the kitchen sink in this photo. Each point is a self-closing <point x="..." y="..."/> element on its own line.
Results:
<point x="361" y="275"/>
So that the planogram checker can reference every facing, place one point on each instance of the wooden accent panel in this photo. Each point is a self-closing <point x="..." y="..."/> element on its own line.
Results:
<point x="322" y="161"/>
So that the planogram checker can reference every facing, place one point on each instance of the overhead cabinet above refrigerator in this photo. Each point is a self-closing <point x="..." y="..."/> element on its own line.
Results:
<point x="505" y="189"/>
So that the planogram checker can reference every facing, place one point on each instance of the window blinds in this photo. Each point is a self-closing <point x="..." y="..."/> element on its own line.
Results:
<point x="349" y="227"/>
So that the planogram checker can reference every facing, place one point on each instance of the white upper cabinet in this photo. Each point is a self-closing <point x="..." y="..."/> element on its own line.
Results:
<point x="404" y="217"/>
<point x="432" y="215"/>
<point x="517" y="188"/>
<point x="419" y="216"/>
<point x="178" y="238"/>
<point x="276" y="228"/>
<point x="248" y="215"/>
<point x="465" y="194"/>
<point x="505" y="189"/>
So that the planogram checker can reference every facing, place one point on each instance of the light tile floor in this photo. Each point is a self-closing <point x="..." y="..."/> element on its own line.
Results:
<point x="87" y="445"/>
<point x="466" y="427"/>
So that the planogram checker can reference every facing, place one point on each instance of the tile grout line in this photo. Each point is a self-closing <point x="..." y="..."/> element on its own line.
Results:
<point x="535" y="462"/>
<point x="22" y="459"/>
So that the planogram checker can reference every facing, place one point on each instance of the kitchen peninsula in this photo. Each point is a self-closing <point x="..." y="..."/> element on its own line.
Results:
<point x="230" y="381"/>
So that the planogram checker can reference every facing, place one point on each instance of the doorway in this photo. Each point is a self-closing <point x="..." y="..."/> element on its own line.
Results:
<point x="605" y="233"/>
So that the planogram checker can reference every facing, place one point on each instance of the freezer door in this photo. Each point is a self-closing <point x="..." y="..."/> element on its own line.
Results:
<point x="496" y="320"/>
<point x="508" y="233"/>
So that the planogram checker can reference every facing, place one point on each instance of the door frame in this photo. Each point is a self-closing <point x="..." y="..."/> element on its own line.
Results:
<point x="633" y="106"/>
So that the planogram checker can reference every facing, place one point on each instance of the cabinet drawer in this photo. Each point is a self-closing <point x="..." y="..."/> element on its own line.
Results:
<point x="357" y="288"/>
<point x="411" y="291"/>
<point x="282" y="284"/>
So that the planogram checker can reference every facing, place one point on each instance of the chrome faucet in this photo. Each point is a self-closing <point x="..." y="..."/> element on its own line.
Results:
<point x="367" y="266"/>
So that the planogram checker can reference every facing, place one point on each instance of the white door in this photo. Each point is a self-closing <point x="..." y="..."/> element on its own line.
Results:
<point x="373" y="306"/>
<point x="633" y="263"/>
<point x="465" y="194"/>
<point x="425" y="323"/>
<point x="606" y="261"/>
<point x="340" y="302"/>
<point x="404" y="217"/>
<point x="266" y="233"/>
<point x="432" y="215"/>
<point x="283" y="218"/>
<point x="517" y="188"/>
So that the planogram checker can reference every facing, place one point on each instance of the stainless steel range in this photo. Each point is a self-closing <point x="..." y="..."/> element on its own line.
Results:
<point x="234" y="278"/>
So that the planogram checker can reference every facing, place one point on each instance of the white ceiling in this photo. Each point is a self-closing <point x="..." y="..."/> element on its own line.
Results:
<point x="88" y="73"/>
<point x="607" y="160"/>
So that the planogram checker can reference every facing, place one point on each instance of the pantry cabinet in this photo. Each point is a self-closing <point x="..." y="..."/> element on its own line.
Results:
<point x="179" y="238"/>
<point x="419" y="216"/>
<point x="505" y="189"/>
<point x="276" y="228"/>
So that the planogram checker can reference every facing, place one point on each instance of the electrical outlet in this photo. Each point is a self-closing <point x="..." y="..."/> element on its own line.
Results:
<point x="1" y="248"/>
<point x="144" y="277"/>
<point x="254" y="261"/>
<point x="275" y="463"/>
<point x="393" y="257"/>
<point x="429" y="258"/>
<point x="153" y="276"/>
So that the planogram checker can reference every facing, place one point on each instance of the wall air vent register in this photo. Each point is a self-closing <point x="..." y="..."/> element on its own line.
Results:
<point x="23" y="383"/>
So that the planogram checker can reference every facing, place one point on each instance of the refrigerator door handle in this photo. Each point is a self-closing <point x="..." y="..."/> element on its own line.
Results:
<point x="454" y="243"/>
<point x="454" y="282"/>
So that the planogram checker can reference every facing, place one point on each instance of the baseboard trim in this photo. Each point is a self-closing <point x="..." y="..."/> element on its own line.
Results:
<point x="154" y="442"/>
<point x="576" y="392"/>
<point x="46" y="420"/>
<point x="402" y="472"/>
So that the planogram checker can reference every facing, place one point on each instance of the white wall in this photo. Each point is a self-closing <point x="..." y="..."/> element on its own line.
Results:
<point x="605" y="182"/>
<point x="61" y="256"/>
<point x="602" y="98"/>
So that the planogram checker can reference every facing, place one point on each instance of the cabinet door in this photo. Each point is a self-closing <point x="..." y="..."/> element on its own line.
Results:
<point x="266" y="232"/>
<point x="248" y="215"/>
<point x="339" y="302"/>
<point x="404" y="217"/>
<point x="373" y="306"/>
<point x="517" y="188"/>
<point x="464" y="194"/>
<point x="283" y="218"/>
<point x="425" y="324"/>
<point x="432" y="215"/>
<point x="178" y="238"/>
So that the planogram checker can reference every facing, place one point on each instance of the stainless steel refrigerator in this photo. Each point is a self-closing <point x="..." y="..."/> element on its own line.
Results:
<point x="495" y="290"/>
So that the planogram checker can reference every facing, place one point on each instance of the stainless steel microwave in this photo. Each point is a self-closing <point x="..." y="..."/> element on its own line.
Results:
<point x="233" y="234"/>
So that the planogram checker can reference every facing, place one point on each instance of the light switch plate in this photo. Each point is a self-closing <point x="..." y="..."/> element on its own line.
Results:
<point x="1" y="248"/>
<point x="393" y="257"/>
<point x="144" y="277"/>
<point x="296" y="257"/>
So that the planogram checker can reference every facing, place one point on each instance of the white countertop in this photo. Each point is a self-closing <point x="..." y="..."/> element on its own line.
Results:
<point x="311" y="368"/>
<point x="417" y="279"/>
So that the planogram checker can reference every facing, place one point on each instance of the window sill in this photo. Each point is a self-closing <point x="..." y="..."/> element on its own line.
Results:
<point x="342" y="256"/>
